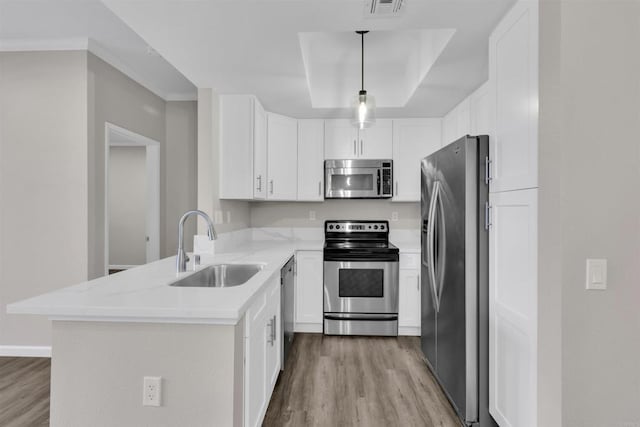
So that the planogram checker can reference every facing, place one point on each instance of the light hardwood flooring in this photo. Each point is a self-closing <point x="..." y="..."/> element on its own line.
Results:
<point x="24" y="391"/>
<point x="357" y="381"/>
<point x="328" y="381"/>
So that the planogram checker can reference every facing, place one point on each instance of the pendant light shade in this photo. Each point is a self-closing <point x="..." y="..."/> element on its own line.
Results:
<point x="364" y="105"/>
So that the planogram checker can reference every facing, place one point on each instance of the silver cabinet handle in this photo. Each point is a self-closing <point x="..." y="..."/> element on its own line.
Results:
<point x="319" y="188"/>
<point x="272" y="333"/>
<point x="274" y="329"/>
<point x="418" y="282"/>
<point x="361" y="148"/>
<point x="271" y="185"/>
<point x="259" y="179"/>
<point x="354" y="147"/>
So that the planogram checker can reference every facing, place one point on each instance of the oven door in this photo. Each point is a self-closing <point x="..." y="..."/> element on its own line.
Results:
<point x="353" y="183"/>
<point x="361" y="287"/>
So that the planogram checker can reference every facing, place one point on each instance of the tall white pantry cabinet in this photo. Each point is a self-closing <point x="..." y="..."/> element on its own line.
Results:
<point x="513" y="237"/>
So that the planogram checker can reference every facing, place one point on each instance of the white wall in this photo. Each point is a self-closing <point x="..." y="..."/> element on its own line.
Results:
<point x="590" y="166"/>
<point x="209" y="167"/>
<point x="43" y="183"/>
<point x="180" y="173"/>
<point x="115" y="98"/>
<point x="127" y="205"/>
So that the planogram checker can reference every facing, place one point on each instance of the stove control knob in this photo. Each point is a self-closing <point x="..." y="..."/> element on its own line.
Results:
<point x="337" y="227"/>
<point x="331" y="227"/>
<point x="375" y="227"/>
<point x="382" y="227"/>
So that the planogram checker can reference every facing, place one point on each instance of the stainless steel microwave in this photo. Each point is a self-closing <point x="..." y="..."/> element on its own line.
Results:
<point x="358" y="179"/>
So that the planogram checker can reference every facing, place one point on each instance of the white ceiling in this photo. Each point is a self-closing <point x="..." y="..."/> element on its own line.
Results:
<point x="262" y="47"/>
<point x="88" y="24"/>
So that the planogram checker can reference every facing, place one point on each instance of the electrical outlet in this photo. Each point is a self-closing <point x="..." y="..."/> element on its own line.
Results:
<point x="152" y="391"/>
<point x="394" y="216"/>
<point x="312" y="215"/>
<point x="218" y="217"/>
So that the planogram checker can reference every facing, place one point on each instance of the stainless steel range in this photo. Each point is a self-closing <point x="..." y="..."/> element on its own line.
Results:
<point x="360" y="279"/>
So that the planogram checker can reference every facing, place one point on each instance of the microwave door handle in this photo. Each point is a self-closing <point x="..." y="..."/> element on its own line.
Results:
<point x="378" y="182"/>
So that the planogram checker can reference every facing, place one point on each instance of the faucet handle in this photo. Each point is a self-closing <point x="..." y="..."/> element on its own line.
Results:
<point x="196" y="262"/>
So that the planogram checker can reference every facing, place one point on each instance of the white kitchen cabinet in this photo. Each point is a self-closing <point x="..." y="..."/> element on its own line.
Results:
<point x="513" y="76"/>
<point x="456" y="123"/>
<point x="262" y="353"/>
<point x="409" y="295"/>
<point x="311" y="160"/>
<point x="282" y="155"/>
<point x="309" y="297"/>
<point x="513" y="308"/>
<point x="480" y="111"/>
<point x="345" y="141"/>
<point x="259" y="152"/>
<point x="237" y="136"/>
<point x="413" y="139"/>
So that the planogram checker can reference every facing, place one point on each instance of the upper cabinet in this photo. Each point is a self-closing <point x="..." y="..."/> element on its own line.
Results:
<point x="282" y="155"/>
<point x="413" y="139"/>
<point x="480" y="103"/>
<point x="311" y="160"/>
<point x="456" y="124"/>
<point x="259" y="152"/>
<point x="237" y="134"/>
<point x="345" y="141"/>
<point x="513" y="73"/>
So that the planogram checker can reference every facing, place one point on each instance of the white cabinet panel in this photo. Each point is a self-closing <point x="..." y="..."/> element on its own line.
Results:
<point x="259" y="152"/>
<point x="282" y="154"/>
<point x="376" y="142"/>
<point x="255" y="363"/>
<point x="456" y="123"/>
<point x="480" y="111"/>
<point x="236" y="146"/>
<point x="513" y="73"/>
<point x="409" y="301"/>
<point x="413" y="139"/>
<point x="340" y="139"/>
<point x="513" y="308"/>
<point x="311" y="160"/>
<point x="309" y="290"/>
<point x="273" y="342"/>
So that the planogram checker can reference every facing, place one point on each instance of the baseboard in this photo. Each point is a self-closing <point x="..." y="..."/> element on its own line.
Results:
<point x="409" y="331"/>
<point x="308" y="327"/>
<point x="24" y="351"/>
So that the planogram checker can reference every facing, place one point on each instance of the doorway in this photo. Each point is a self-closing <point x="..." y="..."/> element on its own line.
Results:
<point x="132" y="199"/>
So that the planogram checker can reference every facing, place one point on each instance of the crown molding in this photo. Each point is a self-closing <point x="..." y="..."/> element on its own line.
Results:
<point x="90" y="45"/>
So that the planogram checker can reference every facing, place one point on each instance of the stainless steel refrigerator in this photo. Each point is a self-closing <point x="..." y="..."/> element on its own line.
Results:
<point x="455" y="279"/>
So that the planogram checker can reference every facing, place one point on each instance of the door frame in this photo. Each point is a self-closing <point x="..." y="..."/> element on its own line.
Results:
<point x="153" y="188"/>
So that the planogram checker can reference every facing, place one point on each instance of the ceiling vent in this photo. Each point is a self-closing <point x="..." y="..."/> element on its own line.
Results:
<point x="384" y="8"/>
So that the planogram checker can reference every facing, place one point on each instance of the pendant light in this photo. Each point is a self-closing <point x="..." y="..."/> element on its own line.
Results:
<point x="364" y="105"/>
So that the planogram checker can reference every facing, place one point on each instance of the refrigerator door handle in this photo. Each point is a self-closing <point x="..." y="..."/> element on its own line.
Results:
<point x="442" y="240"/>
<point x="430" y="244"/>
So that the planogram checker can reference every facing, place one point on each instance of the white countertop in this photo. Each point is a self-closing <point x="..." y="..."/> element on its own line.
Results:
<point x="143" y="294"/>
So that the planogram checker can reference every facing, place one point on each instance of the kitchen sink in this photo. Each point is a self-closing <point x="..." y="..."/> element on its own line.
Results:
<point x="220" y="276"/>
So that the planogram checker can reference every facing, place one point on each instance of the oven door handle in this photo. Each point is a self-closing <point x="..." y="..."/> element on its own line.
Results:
<point x="379" y="182"/>
<point x="361" y="316"/>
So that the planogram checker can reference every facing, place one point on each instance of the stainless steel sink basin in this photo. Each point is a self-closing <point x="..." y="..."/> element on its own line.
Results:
<point x="220" y="276"/>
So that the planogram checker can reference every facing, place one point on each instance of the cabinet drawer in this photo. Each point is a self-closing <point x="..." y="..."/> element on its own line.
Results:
<point x="409" y="261"/>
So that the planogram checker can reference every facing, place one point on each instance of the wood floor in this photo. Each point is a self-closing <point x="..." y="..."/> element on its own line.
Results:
<point x="357" y="381"/>
<point x="24" y="391"/>
<point x="328" y="381"/>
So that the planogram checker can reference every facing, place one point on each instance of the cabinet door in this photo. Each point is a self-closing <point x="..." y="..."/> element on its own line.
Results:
<point x="259" y="152"/>
<point x="376" y="142"/>
<point x="409" y="300"/>
<point x="255" y="363"/>
<point x="513" y="308"/>
<point x="273" y="344"/>
<point x="311" y="160"/>
<point x="456" y="123"/>
<point x="236" y="146"/>
<point x="480" y="111"/>
<point x="413" y="139"/>
<point x="340" y="139"/>
<point x="282" y="143"/>
<point x="309" y="291"/>
<point x="513" y="75"/>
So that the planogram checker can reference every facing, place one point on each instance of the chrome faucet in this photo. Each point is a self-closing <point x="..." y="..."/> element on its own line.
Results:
<point x="182" y="258"/>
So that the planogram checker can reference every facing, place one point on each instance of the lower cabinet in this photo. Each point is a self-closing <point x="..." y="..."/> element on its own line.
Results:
<point x="309" y="291"/>
<point x="409" y="295"/>
<point x="262" y="353"/>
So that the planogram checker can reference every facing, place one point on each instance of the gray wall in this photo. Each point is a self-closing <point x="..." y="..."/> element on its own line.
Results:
<point x="590" y="171"/>
<point x="208" y="168"/>
<point x="279" y="214"/>
<point x="127" y="205"/>
<point x="180" y="173"/>
<point x="43" y="183"/>
<point x="115" y="98"/>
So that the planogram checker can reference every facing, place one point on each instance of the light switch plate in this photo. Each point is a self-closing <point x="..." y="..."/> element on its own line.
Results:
<point x="596" y="274"/>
